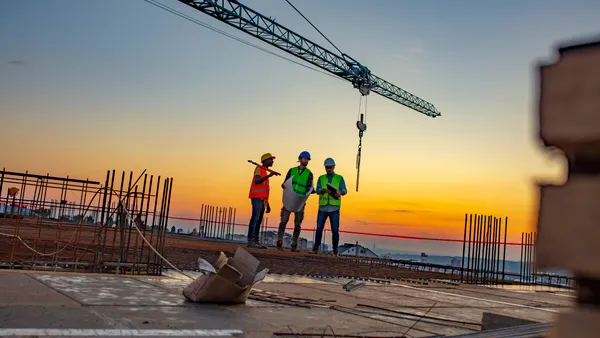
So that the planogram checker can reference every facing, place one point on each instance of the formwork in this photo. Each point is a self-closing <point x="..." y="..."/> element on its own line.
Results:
<point x="67" y="224"/>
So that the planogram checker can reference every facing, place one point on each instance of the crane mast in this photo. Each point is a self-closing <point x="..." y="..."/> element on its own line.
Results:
<point x="237" y="15"/>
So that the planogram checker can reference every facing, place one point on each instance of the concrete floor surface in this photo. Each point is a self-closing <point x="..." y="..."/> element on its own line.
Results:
<point x="53" y="300"/>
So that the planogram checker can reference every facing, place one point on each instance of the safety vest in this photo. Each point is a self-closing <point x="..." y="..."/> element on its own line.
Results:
<point x="300" y="181"/>
<point x="325" y="199"/>
<point x="260" y="190"/>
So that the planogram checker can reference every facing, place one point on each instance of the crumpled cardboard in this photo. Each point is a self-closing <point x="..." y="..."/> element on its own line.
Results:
<point x="229" y="282"/>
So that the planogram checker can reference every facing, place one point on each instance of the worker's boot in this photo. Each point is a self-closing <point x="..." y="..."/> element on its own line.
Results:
<point x="315" y="249"/>
<point x="295" y="237"/>
<point x="279" y="245"/>
<point x="335" y="251"/>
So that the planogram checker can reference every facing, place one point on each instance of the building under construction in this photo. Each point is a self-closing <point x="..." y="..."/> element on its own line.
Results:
<point x="53" y="229"/>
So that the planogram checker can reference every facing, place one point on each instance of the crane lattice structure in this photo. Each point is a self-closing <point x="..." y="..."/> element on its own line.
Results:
<point x="249" y="21"/>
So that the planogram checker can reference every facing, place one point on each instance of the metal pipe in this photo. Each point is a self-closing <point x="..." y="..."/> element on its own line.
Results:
<point x="153" y="228"/>
<point x="208" y="221"/>
<point x="129" y="209"/>
<point x="161" y="226"/>
<point x="201" y="225"/>
<point x="162" y="245"/>
<point x="527" y="276"/>
<point x="498" y="248"/>
<point x="233" y="224"/>
<point x="504" y="250"/>
<point x="487" y="249"/>
<point x="229" y="215"/>
<point x="146" y="222"/>
<point x="212" y="221"/>
<point x="474" y="257"/>
<point x="224" y="220"/>
<point x="470" y="245"/>
<point x="462" y="264"/>
<point x="482" y="249"/>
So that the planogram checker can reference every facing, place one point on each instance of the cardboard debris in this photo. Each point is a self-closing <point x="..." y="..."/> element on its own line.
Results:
<point x="228" y="282"/>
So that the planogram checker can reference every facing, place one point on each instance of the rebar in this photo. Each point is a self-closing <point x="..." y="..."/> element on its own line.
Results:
<point x="482" y="262"/>
<point x="75" y="224"/>
<point x="216" y="222"/>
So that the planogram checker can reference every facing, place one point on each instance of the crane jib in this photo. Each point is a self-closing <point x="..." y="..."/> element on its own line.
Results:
<point x="243" y="18"/>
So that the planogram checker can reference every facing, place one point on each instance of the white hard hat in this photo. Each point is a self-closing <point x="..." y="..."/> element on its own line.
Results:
<point x="329" y="162"/>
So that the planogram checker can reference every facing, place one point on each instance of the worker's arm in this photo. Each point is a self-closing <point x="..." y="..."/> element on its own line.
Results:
<point x="342" y="191"/>
<point x="258" y="179"/>
<point x="320" y="190"/>
<point x="287" y="177"/>
<point x="309" y="183"/>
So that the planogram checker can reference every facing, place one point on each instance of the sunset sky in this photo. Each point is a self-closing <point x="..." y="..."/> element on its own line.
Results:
<point x="87" y="86"/>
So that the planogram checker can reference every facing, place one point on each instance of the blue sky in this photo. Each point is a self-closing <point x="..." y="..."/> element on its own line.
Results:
<point x="123" y="84"/>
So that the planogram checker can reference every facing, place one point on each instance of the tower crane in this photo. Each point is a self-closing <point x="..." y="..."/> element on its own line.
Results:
<point x="249" y="21"/>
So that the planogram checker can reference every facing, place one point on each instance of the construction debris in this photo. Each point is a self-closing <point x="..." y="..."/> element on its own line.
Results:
<point x="351" y="285"/>
<point x="285" y="300"/>
<point x="230" y="281"/>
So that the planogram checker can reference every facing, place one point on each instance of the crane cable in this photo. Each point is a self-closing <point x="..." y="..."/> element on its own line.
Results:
<point x="361" y="124"/>
<point x="323" y="35"/>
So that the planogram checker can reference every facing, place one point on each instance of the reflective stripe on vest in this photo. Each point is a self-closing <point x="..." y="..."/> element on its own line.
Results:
<point x="325" y="199"/>
<point x="260" y="190"/>
<point x="300" y="181"/>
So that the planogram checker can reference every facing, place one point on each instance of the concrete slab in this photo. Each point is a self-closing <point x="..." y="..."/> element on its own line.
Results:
<point x="84" y="301"/>
<point x="12" y="287"/>
<point x="114" y="291"/>
<point x="45" y="316"/>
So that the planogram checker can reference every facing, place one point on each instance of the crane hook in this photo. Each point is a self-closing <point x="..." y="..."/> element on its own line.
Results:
<point x="362" y="127"/>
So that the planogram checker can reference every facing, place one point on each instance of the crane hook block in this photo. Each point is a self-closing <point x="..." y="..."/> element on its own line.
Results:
<point x="362" y="127"/>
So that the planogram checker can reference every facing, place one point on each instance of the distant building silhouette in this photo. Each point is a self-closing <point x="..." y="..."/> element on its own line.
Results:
<point x="353" y="250"/>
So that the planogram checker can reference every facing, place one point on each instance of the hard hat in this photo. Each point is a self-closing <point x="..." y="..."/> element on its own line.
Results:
<point x="305" y="154"/>
<point x="329" y="162"/>
<point x="266" y="157"/>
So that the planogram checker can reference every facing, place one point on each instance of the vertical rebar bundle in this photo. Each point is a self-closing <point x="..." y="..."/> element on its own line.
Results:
<point x="217" y="222"/>
<point x="527" y="269"/>
<point x="484" y="251"/>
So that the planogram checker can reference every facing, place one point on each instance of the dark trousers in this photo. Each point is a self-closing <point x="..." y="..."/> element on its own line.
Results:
<point x="285" y="217"/>
<point x="258" y="210"/>
<point x="334" y="220"/>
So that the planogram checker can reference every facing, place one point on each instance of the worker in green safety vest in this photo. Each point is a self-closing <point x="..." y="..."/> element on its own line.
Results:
<point x="329" y="206"/>
<point x="302" y="182"/>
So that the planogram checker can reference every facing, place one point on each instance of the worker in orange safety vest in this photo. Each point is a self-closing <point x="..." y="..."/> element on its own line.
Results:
<point x="259" y="195"/>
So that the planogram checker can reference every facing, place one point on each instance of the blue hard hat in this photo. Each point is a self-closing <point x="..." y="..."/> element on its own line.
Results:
<point x="304" y="154"/>
<point x="329" y="162"/>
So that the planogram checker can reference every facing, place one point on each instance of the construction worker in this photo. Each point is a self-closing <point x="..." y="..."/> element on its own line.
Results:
<point x="259" y="195"/>
<point x="302" y="181"/>
<point x="329" y="207"/>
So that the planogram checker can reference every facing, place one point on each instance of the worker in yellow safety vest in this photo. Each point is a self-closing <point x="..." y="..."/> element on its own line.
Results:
<point x="329" y="206"/>
<point x="302" y="182"/>
<point x="259" y="195"/>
